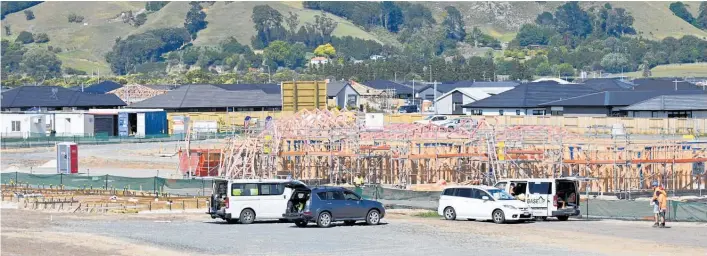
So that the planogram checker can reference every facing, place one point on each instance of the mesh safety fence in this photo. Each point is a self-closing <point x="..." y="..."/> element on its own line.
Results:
<point x="69" y="181"/>
<point x="592" y="208"/>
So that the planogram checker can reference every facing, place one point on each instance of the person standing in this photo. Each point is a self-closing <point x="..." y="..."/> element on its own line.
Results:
<point x="663" y="204"/>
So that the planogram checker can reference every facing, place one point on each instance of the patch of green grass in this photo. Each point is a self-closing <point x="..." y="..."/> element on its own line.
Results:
<point x="427" y="214"/>
<point x="673" y="70"/>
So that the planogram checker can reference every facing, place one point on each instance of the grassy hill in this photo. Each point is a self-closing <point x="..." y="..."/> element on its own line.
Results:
<point x="674" y="70"/>
<point x="502" y="19"/>
<point x="84" y="45"/>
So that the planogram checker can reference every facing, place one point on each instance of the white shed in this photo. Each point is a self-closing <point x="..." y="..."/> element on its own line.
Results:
<point x="72" y="124"/>
<point x="23" y="125"/>
<point x="451" y="102"/>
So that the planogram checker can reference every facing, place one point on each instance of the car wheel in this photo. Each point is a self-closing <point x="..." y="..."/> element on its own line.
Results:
<point x="349" y="222"/>
<point x="247" y="216"/>
<point x="563" y="218"/>
<point x="498" y="217"/>
<point x="373" y="217"/>
<point x="232" y="221"/>
<point x="301" y="223"/>
<point x="324" y="220"/>
<point x="450" y="213"/>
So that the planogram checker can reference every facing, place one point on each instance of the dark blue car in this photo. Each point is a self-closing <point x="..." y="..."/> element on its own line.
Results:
<point x="325" y="205"/>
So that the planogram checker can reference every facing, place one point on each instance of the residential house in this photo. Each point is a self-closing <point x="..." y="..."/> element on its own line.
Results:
<point x="525" y="99"/>
<point x="671" y="106"/>
<point x="318" y="61"/>
<point x="216" y="98"/>
<point x="451" y="102"/>
<point x="606" y="103"/>
<point x="393" y="89"/>
<point x="427" y="92"/>
<point x="50" y="98"/>
<point x="342" y="94"/>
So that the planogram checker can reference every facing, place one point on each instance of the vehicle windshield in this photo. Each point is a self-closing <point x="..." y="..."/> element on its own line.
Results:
<point x="500" y="194"/>
<point x="428" y="117"/>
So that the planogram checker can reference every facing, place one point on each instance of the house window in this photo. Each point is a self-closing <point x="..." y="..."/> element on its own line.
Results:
<point x="539" y="112"/>
<point x="556" y="113"/>
<point x="500" y="112"/>
<point x="517" y="112"/>
<point x="351" y="100"/>
<point x="679" y="114"/>
<point x="16" y="126"/>
<point x="654" y="114"/>
<point x="477" y="112"/>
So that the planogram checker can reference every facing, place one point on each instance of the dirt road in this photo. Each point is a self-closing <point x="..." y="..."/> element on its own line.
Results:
<point x="32" y="233"/>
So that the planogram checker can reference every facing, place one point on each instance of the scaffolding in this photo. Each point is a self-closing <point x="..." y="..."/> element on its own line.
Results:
<point x="335" y="146"/>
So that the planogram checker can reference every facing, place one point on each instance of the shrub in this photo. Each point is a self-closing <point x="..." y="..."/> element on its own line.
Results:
<point x="25" y="37"/>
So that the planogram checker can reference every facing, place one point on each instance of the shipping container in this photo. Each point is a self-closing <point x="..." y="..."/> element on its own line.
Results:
<point x="152" y="123"/>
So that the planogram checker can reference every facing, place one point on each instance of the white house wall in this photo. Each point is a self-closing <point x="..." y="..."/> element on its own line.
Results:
<point x="342" y="97"/>
<point x="31" y="125"/>
<point x="445" y="105"/>
<point x="74" y="124"/>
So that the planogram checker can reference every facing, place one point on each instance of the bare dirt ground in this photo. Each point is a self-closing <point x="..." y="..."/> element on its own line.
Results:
<point x="33" y="233"/>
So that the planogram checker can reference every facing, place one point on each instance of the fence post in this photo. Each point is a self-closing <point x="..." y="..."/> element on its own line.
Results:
<point x="61" y="178"/>
<point x="17" y="181"/>
<point x="106" y="181"/>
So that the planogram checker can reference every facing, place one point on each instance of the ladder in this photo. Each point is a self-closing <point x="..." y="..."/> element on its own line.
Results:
<point x="491" y="176"/>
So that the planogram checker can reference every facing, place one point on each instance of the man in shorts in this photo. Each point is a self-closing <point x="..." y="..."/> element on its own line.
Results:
<point x="663" y="204"/>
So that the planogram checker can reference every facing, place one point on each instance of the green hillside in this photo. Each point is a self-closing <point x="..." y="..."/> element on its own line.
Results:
<point x="85" y="44"/>
<point x="502" y="19"/>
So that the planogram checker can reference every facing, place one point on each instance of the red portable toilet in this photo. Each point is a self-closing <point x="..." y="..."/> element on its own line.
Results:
<point x="67" y="158"/>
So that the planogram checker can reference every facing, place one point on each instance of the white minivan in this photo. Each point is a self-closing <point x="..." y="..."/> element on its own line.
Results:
<point x="481" y="203"/>
<point x="248" y="200"/>
<point x="557" y="197"/>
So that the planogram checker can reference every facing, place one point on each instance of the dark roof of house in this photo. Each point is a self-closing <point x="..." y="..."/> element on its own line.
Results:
<point x="55" y="96"/>
<point x="607" y="84"/>
<point x="671" y="102"/>
<point x="216" y="96"/>
<point x="389" y="85"/>
<point x="162" y="87"/>
<point x="447" y="87"/>
<point x="614" y="98"/>
<point x="532" y="95"/>
<point x="334" y="87"/>
<point x="653" y="84"/>
<point x="99" y="88"/>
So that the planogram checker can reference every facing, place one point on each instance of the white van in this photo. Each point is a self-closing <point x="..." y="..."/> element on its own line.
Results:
<point x="547" y="197"/>
<point x="481" y="203"/>
<point x="248" y="200"/>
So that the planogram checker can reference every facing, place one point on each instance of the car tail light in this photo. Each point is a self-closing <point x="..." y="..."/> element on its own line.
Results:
<point x="226" y="203"/>
<point x="554" y="201"/>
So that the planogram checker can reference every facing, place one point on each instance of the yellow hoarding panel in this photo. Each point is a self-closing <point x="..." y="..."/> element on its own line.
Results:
<point x="298" y="95"/>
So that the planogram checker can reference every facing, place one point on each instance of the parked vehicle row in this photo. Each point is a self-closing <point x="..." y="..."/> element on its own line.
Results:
<point x="514" y="200"/>
<point x="246" y="201"/>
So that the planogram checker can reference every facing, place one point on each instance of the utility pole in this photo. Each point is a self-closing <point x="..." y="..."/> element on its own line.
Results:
<point x="269" y="80"/>
<point x="413" y="92"/>
<point x="676" y="83"/>
<point x="435" y="99"/>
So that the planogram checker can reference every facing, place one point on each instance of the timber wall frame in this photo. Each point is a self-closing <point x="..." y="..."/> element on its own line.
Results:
<point x="335" y="145"/>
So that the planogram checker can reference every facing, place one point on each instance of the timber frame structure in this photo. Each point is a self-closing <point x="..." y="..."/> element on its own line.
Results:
<point x="330" y="146"/>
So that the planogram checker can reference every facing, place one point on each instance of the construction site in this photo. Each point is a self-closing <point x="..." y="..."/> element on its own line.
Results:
<point x="332" y="146"/>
